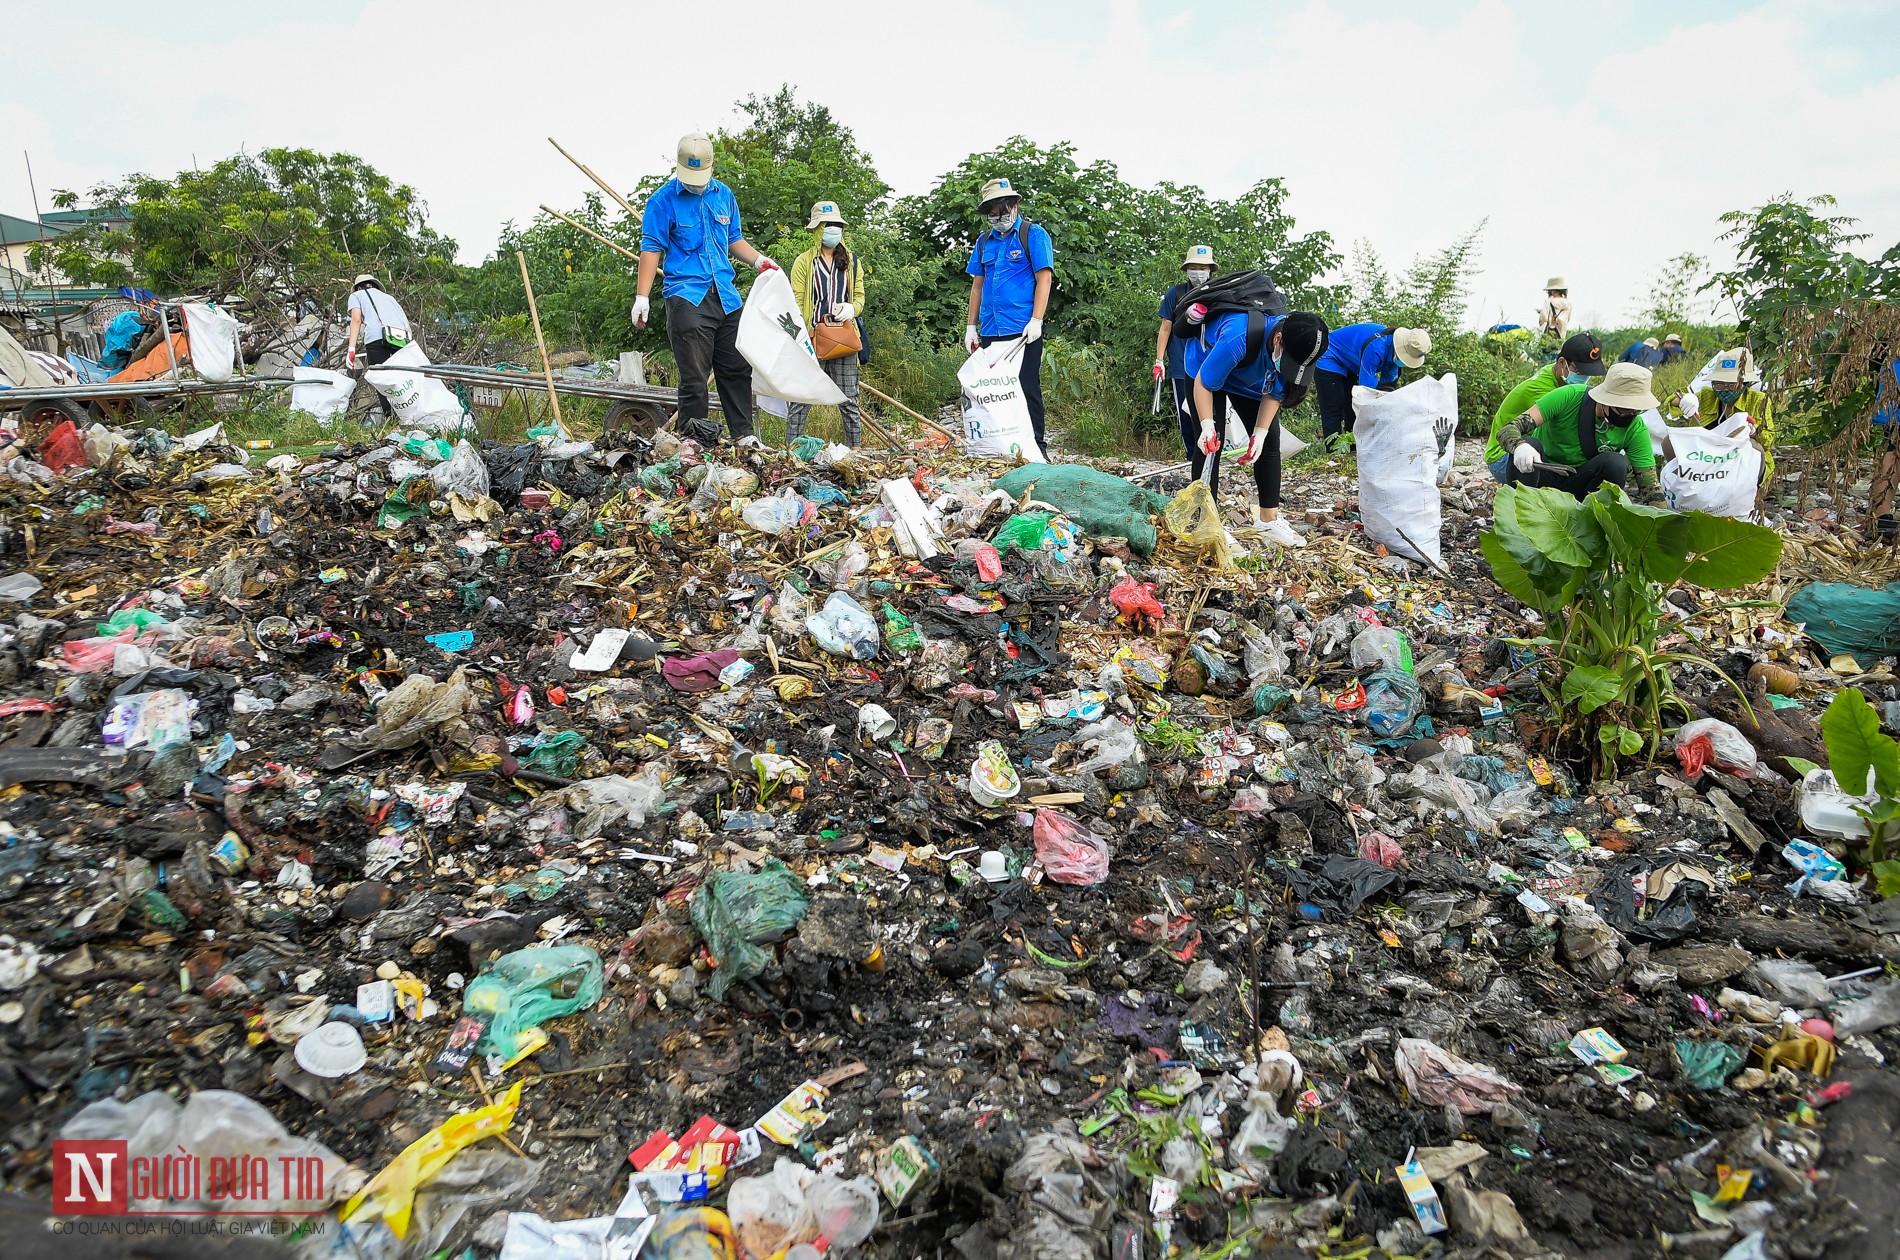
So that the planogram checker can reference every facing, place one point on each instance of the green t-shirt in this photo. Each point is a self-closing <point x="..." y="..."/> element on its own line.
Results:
<point x="1516" y="403"/>
<point x="1557" y="435"/>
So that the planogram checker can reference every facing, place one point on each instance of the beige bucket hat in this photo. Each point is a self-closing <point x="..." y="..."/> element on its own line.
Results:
<point x="1411" y="345"/>
<point x="1736" y="365"/>
<point x="999" y="187"/>
<point x="825" y="212"/>
<point x="1199" y="256"/>
<point x="1625" y="385"/>
<point x="1556" y="282"/>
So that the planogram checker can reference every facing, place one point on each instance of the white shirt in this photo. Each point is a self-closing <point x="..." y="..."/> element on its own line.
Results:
<point x="380" y="312"/>
<point x="1554" y="314"/>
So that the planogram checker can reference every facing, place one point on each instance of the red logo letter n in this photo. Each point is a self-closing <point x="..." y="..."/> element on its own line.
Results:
<point x="89" y="1178"/>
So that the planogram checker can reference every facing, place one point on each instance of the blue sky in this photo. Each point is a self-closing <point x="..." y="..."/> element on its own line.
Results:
<point x="1595" y="140"/>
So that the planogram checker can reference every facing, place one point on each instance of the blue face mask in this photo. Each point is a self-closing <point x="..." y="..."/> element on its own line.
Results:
<point x="831" y="235"/>
<point x="1276" y="365"/>
<point x="1576" y="378"/>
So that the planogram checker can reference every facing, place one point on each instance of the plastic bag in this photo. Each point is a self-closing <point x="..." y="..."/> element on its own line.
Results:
<point x="995" y="409"/>
<point x="608" y="800"/>
<point x="519" y="990"/>
<point x="1136" y="602"/>
<point x="213" y="338"/>
<point x="1396" y="437"/>
<point x="320" y="392"/>
<point x="1193" y="519"/>
<point x="843" y="628"/>
<point x="1381" y="647"/>
<point x="792" y="1204"/>
<point x="1441" y="1078"/>
<point x="1026" y="530"/>
<point x="1795" y="983"/>
<point x="1114" y="742"/>
<point x="416" y="399"/>
<point x="390" y="1195"/>
<point x="416" y="707"/>
<point x="1069" y="852"/>
<point x="789" y="610"/>
<point x="736" y="912"/>
<point x="1393" y="702"/>
<point x="17" y="588"/>
<point x="1707" y="1064"/>
<point x="1102" y="504"/>
<point x="1708" y="741"/>
<point x="1263" y="656"/>
<point x="774" y="340"/>
<point x="150" y="719"/>
<point x="1858" y="621"/>
<point x="778" y="513"/>
<point x="463" y="473"/>
<point x="63" y="448"/>
<point x="1712" y="470"/>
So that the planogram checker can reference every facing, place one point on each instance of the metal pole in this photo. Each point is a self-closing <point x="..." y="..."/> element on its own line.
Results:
<point x="547" y="369"/>
<point x="165" y="325"/>
<point x="59" y="334"/>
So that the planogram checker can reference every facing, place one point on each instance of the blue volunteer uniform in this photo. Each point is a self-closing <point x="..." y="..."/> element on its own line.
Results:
<point x="1169" y="301"/>
<point x="1009" y="278"/>
<point x="1363" y="354"/>
<point x="1214" y="357"/>
<point x="694" y="232"/>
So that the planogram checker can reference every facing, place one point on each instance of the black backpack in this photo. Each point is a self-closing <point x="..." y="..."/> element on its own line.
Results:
<point x="1253" y="292"/>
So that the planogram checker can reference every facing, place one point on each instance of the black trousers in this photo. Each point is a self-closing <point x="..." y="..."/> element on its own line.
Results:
<point x="1266" y="469"/>
<point x="705" y="342"/>
<point x="1604" y="468"/>
<point x="1334" y="390"/>
<point x="1191" y="429"/>
<point x="1029" y="367"/>
<point x="377" y="351"/>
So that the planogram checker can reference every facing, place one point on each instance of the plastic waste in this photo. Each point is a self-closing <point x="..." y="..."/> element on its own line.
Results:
<point x="149" y="719"/>
<point x="463" y="473"/>
<point x="1393" y="702"/>
<point x="737" y="911"/>
<point x="778" y="513"/>
<point x="391" y="1194"/>
<point x="1711" y="741"/>
<point x="1879" y="1009"/>
<point x="1114" y="744"/>
<point x="1026" y="530"/>
<point x="1818" y="867"/>
<point x="1827" y="810"/>
<point x="1193" y="520"/>
<point x="1707" y="1064"/>
<point x="993" y="779"/>
<point x="416" y="707"/>
<point x="1069" y="852"/>
<point x="1791" y="981"/>
<point x="1381" y="647"/>
<point x="1136" y="603"/>
<point x="792" y="1204"/>
<point x="17" y="588"/>
<point x="843" y="628"/>
<point x="692" y="1233"/>
<point x="610" y="800"/>
<point x="1441" y="1078"/>
<point x="517" y="991"/>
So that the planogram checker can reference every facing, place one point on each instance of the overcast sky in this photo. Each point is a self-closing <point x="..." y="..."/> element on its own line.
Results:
<point x="1597" y="140"/>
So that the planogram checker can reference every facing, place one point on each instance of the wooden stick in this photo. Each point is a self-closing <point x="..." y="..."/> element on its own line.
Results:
<point x="591" y="232"/>
<point x="597" y="179"/>
<point x="547" y="370"/>
<point x="878" y="393"/>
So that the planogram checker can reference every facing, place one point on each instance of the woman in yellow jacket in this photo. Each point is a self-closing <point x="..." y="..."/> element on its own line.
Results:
<point x="1734" y="387"/>
<point x="829" y="281"/>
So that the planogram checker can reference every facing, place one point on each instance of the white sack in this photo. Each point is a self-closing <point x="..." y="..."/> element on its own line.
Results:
<point x="320" y="392"/>
<point x="1397" y="439"/>
<point x="1713" y="470"/>
<point x="212" y="337"/>
<point x="773" y="339"/>
<point x="995" y="412"/>
<point x="417" y="399"/>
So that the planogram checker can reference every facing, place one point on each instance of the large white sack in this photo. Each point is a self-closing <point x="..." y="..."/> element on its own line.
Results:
<point x="773" y="339"/>
<point x="417" y="399"/>
<point x="212" y="336"/>
<point x="1396" y="436"/>
<point x="321" y="392"/>
<point x="1713" y="470"/>
<point x="995" y="411"/>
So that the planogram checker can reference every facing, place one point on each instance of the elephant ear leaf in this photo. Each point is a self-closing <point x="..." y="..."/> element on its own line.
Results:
<point x="1560" y="526"/>
<point x="1590" y="687"/>
<point x="1727" y="553"/>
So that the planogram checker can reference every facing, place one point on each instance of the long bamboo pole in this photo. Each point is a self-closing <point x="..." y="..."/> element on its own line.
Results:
<point x="604" y="186"/>
<point x="547" y="369"/>
<point x="591" y="232"/>
<point x="878" y="393"/>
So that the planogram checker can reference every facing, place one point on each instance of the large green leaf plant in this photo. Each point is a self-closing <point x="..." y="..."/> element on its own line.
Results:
<point x="1866" y="765"/>
<point x="1597" y="569"/>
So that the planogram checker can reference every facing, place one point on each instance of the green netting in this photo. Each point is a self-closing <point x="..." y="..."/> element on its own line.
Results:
<point x="1859" y="621"/>
<point x="1100" y="503"/>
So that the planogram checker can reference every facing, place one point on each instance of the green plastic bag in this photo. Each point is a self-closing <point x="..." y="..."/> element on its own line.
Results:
<point x="1707" y="1064"/>
<point x="1857" y="621"/>
<point x="521" y="989"/>
<point x="142" y="619"/>
<point x="899" y="635"/>
<point x="558" y="755"/>
<point x="736" y="912"/>
<point x="1024" y="530"/>
<point x="437" y="449"/>
<point x="805" y="449"/>
<point x="399" y="509"/>
<point x="1098" y="502"/>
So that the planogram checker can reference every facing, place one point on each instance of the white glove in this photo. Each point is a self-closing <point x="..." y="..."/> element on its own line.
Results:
<point x="349" y="358"/>
<point x="641" y="309"/>
<point x="1032" y="331"/>
<point x="1210" y="440"/>
<point x="765" y="264"/>
<point x="1256" y="445"/>
<point x="1691" y="406"/>
<point x="844" y="312"/>
<point x="1524" y="458"/>
<point x="970" y="339"/>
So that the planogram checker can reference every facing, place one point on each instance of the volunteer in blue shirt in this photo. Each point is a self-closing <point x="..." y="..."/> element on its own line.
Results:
<point x="693" y="221"/>
<point x="1362" y="354"/>
<point x="1198" y="268"/>
<point x="1279" y="374"/>
<point x="1011" y="270"/>
<point x="1887" y="468"/>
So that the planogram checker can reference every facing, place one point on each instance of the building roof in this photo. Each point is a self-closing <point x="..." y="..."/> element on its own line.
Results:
<point x="15" y="230"/>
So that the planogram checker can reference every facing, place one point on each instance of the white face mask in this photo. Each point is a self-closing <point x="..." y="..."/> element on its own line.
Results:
<point x="832" y="235"/>
<point x="1004" y="221"/>
<point x="1199" y="275"/>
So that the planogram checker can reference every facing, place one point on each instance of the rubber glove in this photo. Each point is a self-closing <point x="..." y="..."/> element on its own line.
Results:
<point x="1160" y="369"/>
<point x="844" y="312"/>
<point x="970" y="339"/>
<point x="1254" y="447"/>
<point x="642" y="308"/>
<point x="1524" y="458"/>
<point x="765" y="264"/>
<point x="1033" y="331"/>
<point x="349" y="358"/>
<point x="1691" y="406"/>
<point x="1210" y="440"/>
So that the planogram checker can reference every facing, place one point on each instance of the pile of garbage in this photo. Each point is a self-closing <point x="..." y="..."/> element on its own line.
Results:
<point x="597" y="849"/>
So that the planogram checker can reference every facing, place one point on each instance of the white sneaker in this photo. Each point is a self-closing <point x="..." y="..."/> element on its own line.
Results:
<point x="1277" y="530"/>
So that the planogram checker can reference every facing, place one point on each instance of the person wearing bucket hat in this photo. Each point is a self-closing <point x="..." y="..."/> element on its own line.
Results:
<point x="1672" y="348"/>
<point x="1011" y="270"/>
<point x="1645" y="353"/>
<point x="1257" y="373"/>
<point x="1733" y="390"/>
<point x="691" y="223"/>
<point x="1197" y="268"/>
<point x="377" y="323"/>
<point x="1553" y="314"/>
<point x="1362" y="354"/>
<point x="1579" y="437"/>
<point x="1579" y="359"/>
<point x="828" y="280"/>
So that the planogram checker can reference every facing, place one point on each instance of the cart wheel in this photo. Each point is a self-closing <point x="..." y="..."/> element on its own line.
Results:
<point x="37" y="419"/>
<point x="641" y="419"/>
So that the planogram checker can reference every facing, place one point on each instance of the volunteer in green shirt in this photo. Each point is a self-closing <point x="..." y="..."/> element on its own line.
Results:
<point x="1580" y="359"/>
<point x="1579" y="437"/>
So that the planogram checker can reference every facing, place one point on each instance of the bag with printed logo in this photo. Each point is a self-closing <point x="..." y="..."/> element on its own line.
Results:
<point x="995" y="410"/>
<point x="1713" y="470"/>
<point x="1397" y="437"/>
<point x="773" y="339"/>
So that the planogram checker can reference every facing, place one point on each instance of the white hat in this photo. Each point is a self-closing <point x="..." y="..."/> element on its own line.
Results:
<point x="1736" y="365"/>
<point x="1411" y="345"/>
<point x="695" y="164"/>
<point x="995" y="188"/>
<point x="1651" y="343"/>
<point x="825" y="212"/>
<point x="1556" y="282"/>
<point x="1199" y="256"/>
<point x="1624" y="385"/>
<point x="1673" y="337"/>
<point x="364" y="279"/>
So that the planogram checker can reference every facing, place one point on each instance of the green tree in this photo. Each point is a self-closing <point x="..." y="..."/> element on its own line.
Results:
<point x="788" y="155"/>
<point x="1672" y="295"/>
<point x="275" y="227"/>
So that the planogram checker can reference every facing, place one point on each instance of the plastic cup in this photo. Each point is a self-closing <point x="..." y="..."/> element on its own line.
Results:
<point x="331" y="1051"/>
<point x="993" y="866"/>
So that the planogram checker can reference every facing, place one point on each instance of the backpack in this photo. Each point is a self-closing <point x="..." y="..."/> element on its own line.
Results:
<point x="1253" y="292"/>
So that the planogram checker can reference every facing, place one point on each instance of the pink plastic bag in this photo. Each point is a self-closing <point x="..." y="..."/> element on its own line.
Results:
<point x="1136" y="600"/>
<point x="1376" y="846"/>
<point x="95" y="656"/>
<point x="1708" y="741"/>
<point x="1069" y="852"/>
